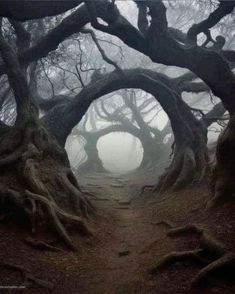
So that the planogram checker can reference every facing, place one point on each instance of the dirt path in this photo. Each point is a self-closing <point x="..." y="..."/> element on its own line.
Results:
<point x="133" y="242"/>
<point x="127" y="243"/>
<point x="120" y="259"/>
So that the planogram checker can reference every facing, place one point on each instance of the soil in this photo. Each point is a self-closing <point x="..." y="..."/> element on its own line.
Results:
<point x="127" y="243"/>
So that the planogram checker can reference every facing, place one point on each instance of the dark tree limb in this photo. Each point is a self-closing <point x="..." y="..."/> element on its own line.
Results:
<point x="214" y="114"/>
<point x="101" y="50"/>
<point x="23" y="36"/>
<point x="143" y="23"/>
<point x="224" y="8"/>
<point x="26" y="10"/>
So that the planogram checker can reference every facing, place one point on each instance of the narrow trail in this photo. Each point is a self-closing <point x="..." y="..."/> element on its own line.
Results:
<point x="121" y="259"/>
<point x="131" y="241"/>
<point x="128" y="241"/>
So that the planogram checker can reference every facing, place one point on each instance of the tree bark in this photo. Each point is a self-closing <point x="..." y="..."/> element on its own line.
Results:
<point x="35" y="177"/>
<point x="26" y="10"/>
<point x="93" y="162"/>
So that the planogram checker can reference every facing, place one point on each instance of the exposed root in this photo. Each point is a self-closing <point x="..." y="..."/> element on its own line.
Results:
<point x="218" y="199"/>
<point x="42" y="178"/>
<point x="80" y="204"/>
<point x="188" y="229"/>
<point x="73" y="180"/>
<point x="28" y="276"/>
<point x="202" y="174"/>
<point x="187" y="171"/>
<point x="89" y="194"/>
<point x="51" y="212"/>
<point x="226" y="261"/>
<point x="187" y="167"/>
<point x="41" y="245"/>
<point x="32" y="179"/>
<point x="12" y="158"/>
<point x="211" y="253"/>
<point x="165" y="223"/>
<point x="212" y="245"/>
<point x="223" y="185"/>
<point x="33" y="215"/>
<point x="191" y="255"/>
<point x="56" y="215"/>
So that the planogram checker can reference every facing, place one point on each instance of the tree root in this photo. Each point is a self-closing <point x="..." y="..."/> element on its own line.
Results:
<point x="32" y="179"/>
<point x="33" y="215"/>
<point x="12" y="158"/>
<point x="219" y="198"/>
<point x="188" y="229"/>
<point x="41" y="245"/>
<point x="189" y="165"/>
<point x="165" y="223"/>
<point x="54" y="219"/>
<point x="80" y="204"/>
<point x="89" y="194"/>
<point x="190" y="255"/>
<point x="211" y="253"/>
<point x="56" y="215"/>
<point x="227" y="260"/>
<point x="28" y="276"/>
<point x="38" y="164"/>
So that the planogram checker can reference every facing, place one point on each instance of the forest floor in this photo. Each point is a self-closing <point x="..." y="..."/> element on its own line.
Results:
<point x="127" y="243"/>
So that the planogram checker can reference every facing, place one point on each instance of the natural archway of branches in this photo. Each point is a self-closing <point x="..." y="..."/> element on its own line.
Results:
<point x="37" y="117"/>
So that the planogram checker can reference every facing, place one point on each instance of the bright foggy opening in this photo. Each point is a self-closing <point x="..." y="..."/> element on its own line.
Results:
<point x="120" y="152"/>
<point x="109" y="137"/>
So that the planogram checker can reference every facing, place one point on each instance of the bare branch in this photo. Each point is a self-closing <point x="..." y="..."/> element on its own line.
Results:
<point x="101" y="50"/>
<point x="224" y="8"/>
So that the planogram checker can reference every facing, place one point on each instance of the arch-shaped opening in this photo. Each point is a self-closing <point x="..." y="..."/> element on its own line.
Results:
<point x="121" y="145"/>
<point x="120" y="152"/>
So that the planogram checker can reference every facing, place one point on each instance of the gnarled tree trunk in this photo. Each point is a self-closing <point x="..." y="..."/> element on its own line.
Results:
<point x="190" y="158"/>
<point x="223" y="184"/>
<point x="36" y="180"/>
<point x="153" y="152"/>
<point x="93" y="162"/>
<point x="35" y="177"/>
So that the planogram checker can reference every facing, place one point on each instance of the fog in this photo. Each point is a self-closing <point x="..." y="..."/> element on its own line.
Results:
<point x="120" y="153"/>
